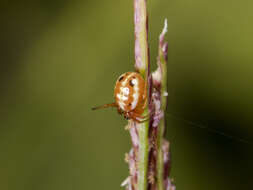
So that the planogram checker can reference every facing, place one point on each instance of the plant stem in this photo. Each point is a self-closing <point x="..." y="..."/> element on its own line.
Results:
<point x="143" y="156"/>
<point x="162" y="63"/>
<point x="142" y="65"/>
<point x="141" y="37"/>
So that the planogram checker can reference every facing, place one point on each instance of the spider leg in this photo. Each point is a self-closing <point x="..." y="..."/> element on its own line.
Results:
<point x="138" y="118"/>
<point x="105" y="106"/>
<point x="140" y="121"/>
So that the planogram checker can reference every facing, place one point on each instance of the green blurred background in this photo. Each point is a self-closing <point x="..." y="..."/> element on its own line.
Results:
<point x="60" y="58"/>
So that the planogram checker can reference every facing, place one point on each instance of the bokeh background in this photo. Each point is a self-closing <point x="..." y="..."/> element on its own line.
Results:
<point x="60" y="58"/>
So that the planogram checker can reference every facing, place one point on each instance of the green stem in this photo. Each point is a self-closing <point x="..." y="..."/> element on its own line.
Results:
<point x="162" y="63"/>
<point x="143" y="156"/>
<point x="142" y="65"/>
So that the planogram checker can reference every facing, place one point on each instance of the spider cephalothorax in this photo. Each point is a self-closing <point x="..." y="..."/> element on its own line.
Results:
<point x="130" y="96"/>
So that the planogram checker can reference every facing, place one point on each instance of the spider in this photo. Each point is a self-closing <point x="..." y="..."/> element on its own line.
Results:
<point x="130" y="94"/>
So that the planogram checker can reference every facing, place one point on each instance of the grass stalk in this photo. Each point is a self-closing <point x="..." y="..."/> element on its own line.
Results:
<point x="162" y="63"/>
<point x="142" y="65"/>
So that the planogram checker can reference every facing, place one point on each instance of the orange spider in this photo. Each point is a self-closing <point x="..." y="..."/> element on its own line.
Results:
<point x="130" y="95"/>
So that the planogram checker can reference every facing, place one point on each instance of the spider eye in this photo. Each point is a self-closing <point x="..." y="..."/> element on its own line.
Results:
<point x="121" y="78"/>
<point x="131" y="83"/>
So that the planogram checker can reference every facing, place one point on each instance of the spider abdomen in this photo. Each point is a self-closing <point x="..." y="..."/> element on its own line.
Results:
<point x="129" y="91"/>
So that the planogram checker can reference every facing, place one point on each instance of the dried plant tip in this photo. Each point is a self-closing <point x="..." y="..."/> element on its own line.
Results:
<point x="165" y="30"/>
<point x="126" y="158"/>
<point x="125" y="182"/>
<point x="160" y="74"/>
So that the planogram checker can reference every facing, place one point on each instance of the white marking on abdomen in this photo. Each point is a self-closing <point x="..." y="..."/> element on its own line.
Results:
<point x="135" y="94"/>
<point x="121" y="97"/>
<point x="124" y="90"/>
